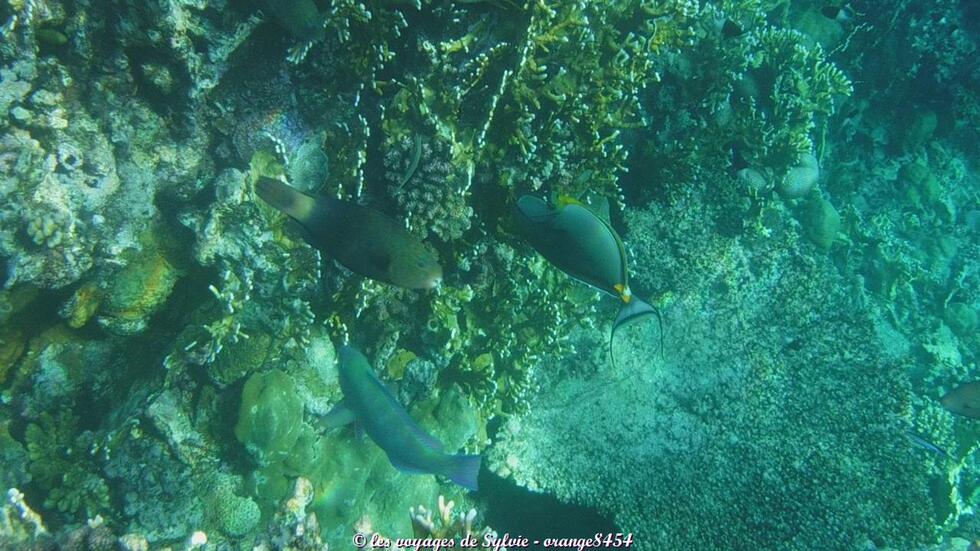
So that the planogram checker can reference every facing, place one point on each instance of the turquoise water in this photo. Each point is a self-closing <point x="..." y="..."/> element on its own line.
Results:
<point x="674" y="275"/>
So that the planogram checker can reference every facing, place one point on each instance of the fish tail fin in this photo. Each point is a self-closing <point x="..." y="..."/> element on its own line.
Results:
<point x="464" y="470"/>
<point x="633" y="311"/>
<point x="285" y="198"/>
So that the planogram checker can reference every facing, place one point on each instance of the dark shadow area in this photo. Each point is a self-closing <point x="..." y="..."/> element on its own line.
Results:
<point x="518" y="511"/>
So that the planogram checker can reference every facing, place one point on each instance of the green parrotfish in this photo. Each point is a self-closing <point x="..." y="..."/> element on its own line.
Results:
<point x="300" y="17"/>
<point x="362" y="239"/>
<point x="369" y="402"/>
<point x="585" y="247"/>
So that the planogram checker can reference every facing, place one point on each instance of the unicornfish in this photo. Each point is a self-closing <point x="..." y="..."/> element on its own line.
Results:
<point x="586" y="248"/>
<point x="362" y="239"/>
<point x="370" y="403"/>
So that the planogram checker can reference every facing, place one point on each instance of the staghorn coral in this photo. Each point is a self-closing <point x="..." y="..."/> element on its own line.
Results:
<point x="743" y="92"/>
<point x="267" y="279"/>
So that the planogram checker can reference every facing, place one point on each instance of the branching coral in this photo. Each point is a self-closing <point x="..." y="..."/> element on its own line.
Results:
<point x="795" y="85"/>
<point x="63" y="465"/>
<point x="742" y="93"/>
<point x="295" y="526"/>
<point x="448" y="524"/>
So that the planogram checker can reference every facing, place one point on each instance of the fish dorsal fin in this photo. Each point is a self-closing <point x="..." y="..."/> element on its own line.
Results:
<point x="565" y="200"/>
<point x="602" y="209"/>
<point x="598" y="204"/>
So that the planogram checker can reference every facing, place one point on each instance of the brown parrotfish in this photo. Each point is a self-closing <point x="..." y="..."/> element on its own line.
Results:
<point x="587" y="248"/>
<point x="964" y="400"/>
<point x="362" y="239"/>
<point x="371" y="404"/>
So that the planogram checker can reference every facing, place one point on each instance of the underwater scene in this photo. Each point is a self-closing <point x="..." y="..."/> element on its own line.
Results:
<point x="490" y="274"/>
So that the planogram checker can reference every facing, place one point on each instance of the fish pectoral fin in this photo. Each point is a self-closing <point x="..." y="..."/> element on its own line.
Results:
<point x="338" y="416"/>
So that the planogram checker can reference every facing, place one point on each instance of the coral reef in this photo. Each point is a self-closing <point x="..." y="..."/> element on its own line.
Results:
<point x="294" y="527"/>
<point x="21" y="525"/>
<point x="167" y="340"/>
<point x="62" y="464"/>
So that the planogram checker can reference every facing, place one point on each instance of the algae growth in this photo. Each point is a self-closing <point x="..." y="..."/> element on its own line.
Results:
<point x="796" y="187"/>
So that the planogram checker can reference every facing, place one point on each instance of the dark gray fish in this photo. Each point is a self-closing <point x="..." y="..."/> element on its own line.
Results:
<point x="300" y="17"/>
<point x="362" y="239"/>
<point x="409" y="448"/>
<point x="586" y="248"/>
<point x="964" y="400"/>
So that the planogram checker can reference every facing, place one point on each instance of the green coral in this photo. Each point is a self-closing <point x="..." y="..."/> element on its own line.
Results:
<point x="13" y="457"/>
<point x="236" y="515"/>
<point x="796" y="85"/>
<point x="270" y="416"/>
<point x="703" y="107"/>
<point x="63" y="465"/>
<point x="240" y="515"/>
<point x="240" y="358"/>
<point x="922" y="187"/>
